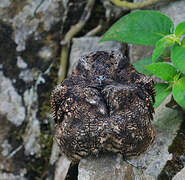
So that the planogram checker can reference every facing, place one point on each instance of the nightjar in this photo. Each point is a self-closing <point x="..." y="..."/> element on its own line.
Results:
<point x="104" y="106"/>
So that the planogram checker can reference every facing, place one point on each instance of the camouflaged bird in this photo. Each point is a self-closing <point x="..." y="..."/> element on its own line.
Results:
<point x="104" y="106"/>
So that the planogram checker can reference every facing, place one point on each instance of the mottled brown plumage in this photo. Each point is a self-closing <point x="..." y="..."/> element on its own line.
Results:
<point x="104" y="106"/>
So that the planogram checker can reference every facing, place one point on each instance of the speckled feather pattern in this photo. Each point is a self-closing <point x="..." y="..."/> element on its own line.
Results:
<point x="104" y="106"/>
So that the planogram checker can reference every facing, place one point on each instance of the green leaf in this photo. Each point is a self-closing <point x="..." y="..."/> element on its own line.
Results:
<point x="163" y="43"/>
<point x="178" y="92"/>
<point x="180" y="29"/>
<point x="162" y="70"/>
<point x="178" y="57"/>
<point x="177" y="76"/>
<point x="140" y="65"/>
<point x="144" y="27"/>
<point x="183" y="42"/>
<point x="162" y="91"/>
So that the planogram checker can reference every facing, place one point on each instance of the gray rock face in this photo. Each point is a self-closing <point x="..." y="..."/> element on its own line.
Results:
<point x="32" y="134"/>
<point x="7" y="176"/>
<point x="137" y="52"/>
<point x="109" y="167"/>
<point x="174" y="10"/>
<point x="20" y="63"/>
<point x="12" y="115"/>
<point x="24" y="60"/>
<point x="25" y="23"/>
<point x="11" y="104"/>
<point x="63" y="165"/>
<point x="180" y="175"/>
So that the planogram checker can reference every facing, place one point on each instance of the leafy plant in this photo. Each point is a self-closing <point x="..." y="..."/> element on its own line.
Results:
<point x="151" y="28"/>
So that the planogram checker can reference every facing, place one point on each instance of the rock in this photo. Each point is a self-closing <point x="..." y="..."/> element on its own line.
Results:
<point x="9" y="176"/>
<point x="26" y="75"/>
<point x="180" y="175"/>
<point x="20" y="63"/>
<point x="12" y="116"/>
<point x="5" y="3"/>
<point x="62" y="168"/>
<point x="6" y="148"/>
<point x="27" y="50"/>
<point x="171" y="9"/>
<point x="55" y="152"/>
<point x="30" y="32"/>
<point x="104" y="167"/>
<point x="25" y="23"/>
<point x="137" y="52"/>
<point x="112" y="12"/>
<point x="109" y="167"/>
<point x="32" y="134"/>
<point x="11" y="104"/>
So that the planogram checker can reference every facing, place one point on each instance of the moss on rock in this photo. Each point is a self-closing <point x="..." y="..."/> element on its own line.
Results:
<point x="177" y="148"/>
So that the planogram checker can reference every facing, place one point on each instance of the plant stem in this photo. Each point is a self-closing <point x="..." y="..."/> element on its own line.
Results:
<point x="67" y="39"/>
<point x="132" y="5"/>
<point x="63" y="62"/>
<point x="96" y="30"/>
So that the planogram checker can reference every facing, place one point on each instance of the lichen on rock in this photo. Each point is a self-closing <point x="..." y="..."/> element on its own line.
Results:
<point x="11" y="102"/>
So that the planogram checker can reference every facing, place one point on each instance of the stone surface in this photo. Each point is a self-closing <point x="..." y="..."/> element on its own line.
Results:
<point x="27" y="50"/>
<point x="180" y="175"/>
<point x="9" y="176"/>
<point x="108" y="167"/>
<point x="20" y="63"/>
<point x="12" y="116"/>
<point x="24" y="21"/>
<point x="104" y="167"/>
<point x="63" y="165"/>
<point x="11" y="104"/>
<point x="174" y="10"/>
<point x="112" y="12"/>
<point x="137" y="52"/>
<point x="32" y="133"/>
